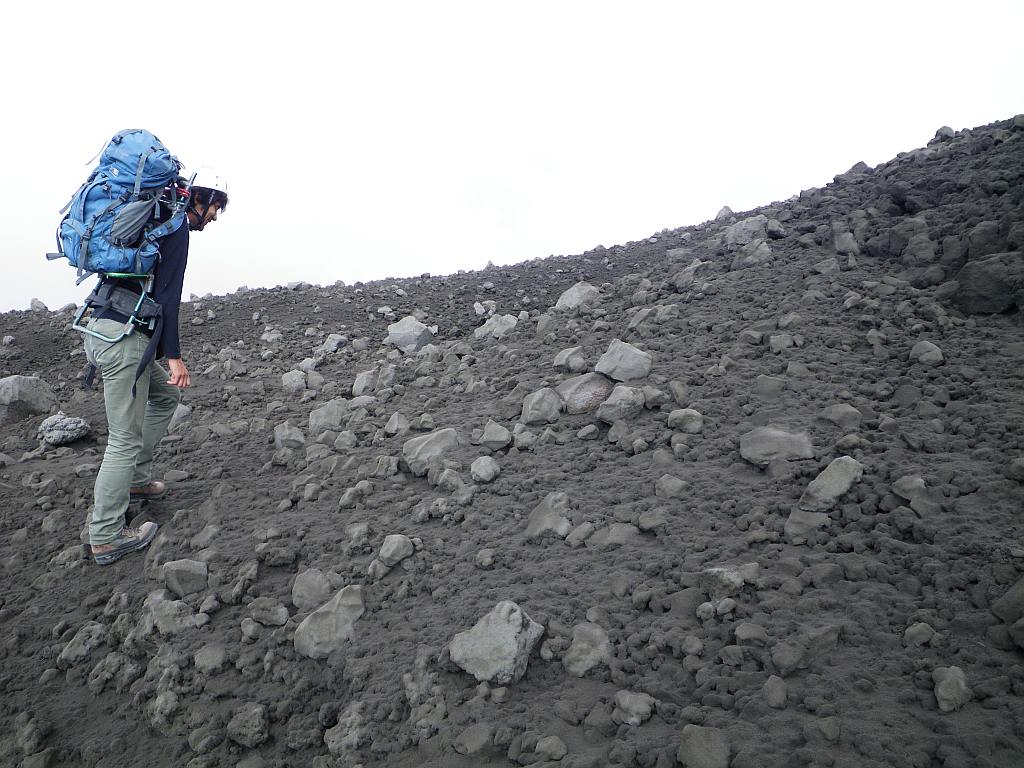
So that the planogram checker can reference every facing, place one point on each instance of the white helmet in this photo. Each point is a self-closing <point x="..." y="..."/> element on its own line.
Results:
<point x="205" y="177"/>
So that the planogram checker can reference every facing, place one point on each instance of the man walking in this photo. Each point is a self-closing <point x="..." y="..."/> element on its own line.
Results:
<point x="140" y="396"/>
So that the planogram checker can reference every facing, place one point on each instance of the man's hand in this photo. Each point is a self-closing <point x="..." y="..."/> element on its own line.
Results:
<point x="179" y="373"/>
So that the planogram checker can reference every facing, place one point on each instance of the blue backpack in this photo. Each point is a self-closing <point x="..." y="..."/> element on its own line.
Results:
<point x="112" y="225"/>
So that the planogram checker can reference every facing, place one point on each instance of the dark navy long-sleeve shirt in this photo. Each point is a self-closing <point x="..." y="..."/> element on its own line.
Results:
<point x="169" y="278"/>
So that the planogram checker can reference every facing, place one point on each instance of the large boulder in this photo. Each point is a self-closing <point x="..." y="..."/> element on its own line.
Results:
<point x="496" y="327"/>
<point x="549" y="517"/>
<point x="582" y="394"/>
<point x="830" y="485"/>
<point x="495" y="436"/>
<point x="24" y="396"/>
<point x="183" y="577"/>
<point x="541" y="407"/>
<point x="623" y="403"/>
<point x="419" y="452"/>
<point x="330" y="416"/>
<point x="590" y="648"/>
<point x="409" y="334"/>
<point x="331" y="626"/>
<point x="991" y="285"/>
<point x="624" y="362"/>
<point x="687" y="276"/>
<point x="497" y="648"/>
<point x="753" y="254"/>
<point x="764" y="445"/>
<point x="580" y="293"/>
<point x="702" y="747"/>
<point x="746" y="230"/>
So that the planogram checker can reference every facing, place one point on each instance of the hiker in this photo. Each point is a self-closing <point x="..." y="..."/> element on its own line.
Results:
<point x="139" y="394"/>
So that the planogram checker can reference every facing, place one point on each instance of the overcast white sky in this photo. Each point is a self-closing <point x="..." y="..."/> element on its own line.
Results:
<point x="370" y="140"/>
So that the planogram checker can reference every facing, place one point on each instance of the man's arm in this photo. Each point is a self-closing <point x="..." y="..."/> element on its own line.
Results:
<point x="169" y="280"/>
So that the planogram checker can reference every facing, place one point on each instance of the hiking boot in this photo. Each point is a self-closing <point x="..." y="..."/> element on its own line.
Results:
<point x="153" y="490"/>
<point x="128" y="540"/>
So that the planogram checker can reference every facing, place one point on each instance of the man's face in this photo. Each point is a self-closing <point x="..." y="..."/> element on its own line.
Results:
<point x="209" y="214"/>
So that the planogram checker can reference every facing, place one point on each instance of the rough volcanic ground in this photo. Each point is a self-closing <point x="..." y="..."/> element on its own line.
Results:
<point x="871" y="617"/>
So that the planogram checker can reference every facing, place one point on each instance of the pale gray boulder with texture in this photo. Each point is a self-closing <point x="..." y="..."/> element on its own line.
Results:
<point x="61" y="429"/>
<point x="702" y="747"/>
<point x="633" y="708"/>
<point x="331" y="626"/>
<point x="951" y="690"/>
<point x="831" y="484"/>
<point x="495" y="436"/>
<point x="541" y="407"/>
<point x="843" y="415"/>
<point x="88" y="638"/>
<point x="395" y="549"/>
<point x="624" y="362"/>
<point x="497" y="649"/>
<point x="689" y="275"/>
<point x="185" y="577"/>
<point x="623" y="404"/>
<point x="288" y="436"/>
<point x="329" y="416"/>
<point x="24" y="396"/>
<point x="572" y="359"/>
<point x="745" y="230"/>
<point x="364" y="382"/>
<point x="926" y="353"/>
<point x="754" y="254"/>
<point x="583" y="394"/>
<point x="496" y="327"/>
<point x="801" y="524"/>
<point x="248" y="726"/>
<point x="763" y="445"/>
<point x="590" y="648"/>
<point x="484" y="469"/>
<point x="419" y="452"/>
<point x="293" y="382"/>
<point x="549" y="516"/>
<point x="409" y="334"/>
<point x="686" y="420"/>
<point x="580" y="293"/>
<point x="311" y="589"/>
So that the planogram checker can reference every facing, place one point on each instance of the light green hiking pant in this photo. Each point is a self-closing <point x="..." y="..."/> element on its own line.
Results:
<point x="134" y="425"/>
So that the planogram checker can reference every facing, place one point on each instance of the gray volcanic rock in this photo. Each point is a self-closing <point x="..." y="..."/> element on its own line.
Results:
<point x="583" y="394"/>
<point x="764" y="445"/>
<point x="549" y="517"/>
<point x="829" y="486"/>
<point x="580" y="293"/>
<point x="496" y="327"/>
<point x="61" y="429"/>
<point x="590" y="648"/>
<point x="622" y="404"/>
<point x="497" y="649"/>
<point x="745" y="230"/>
<point x="331" y="626"/>
<point x="420" y="451"/>
<point x="183" y="577"/>
<point x="991" y="285"/>
<point x="702" y="747"/>
<point x="754" y="254"/>
<point x="409" y="334"/>
<point x="951" y="689"/>
<point x="23" y="396"/>
<point x="541" y="407"/>
<point x="624" y="362"/>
